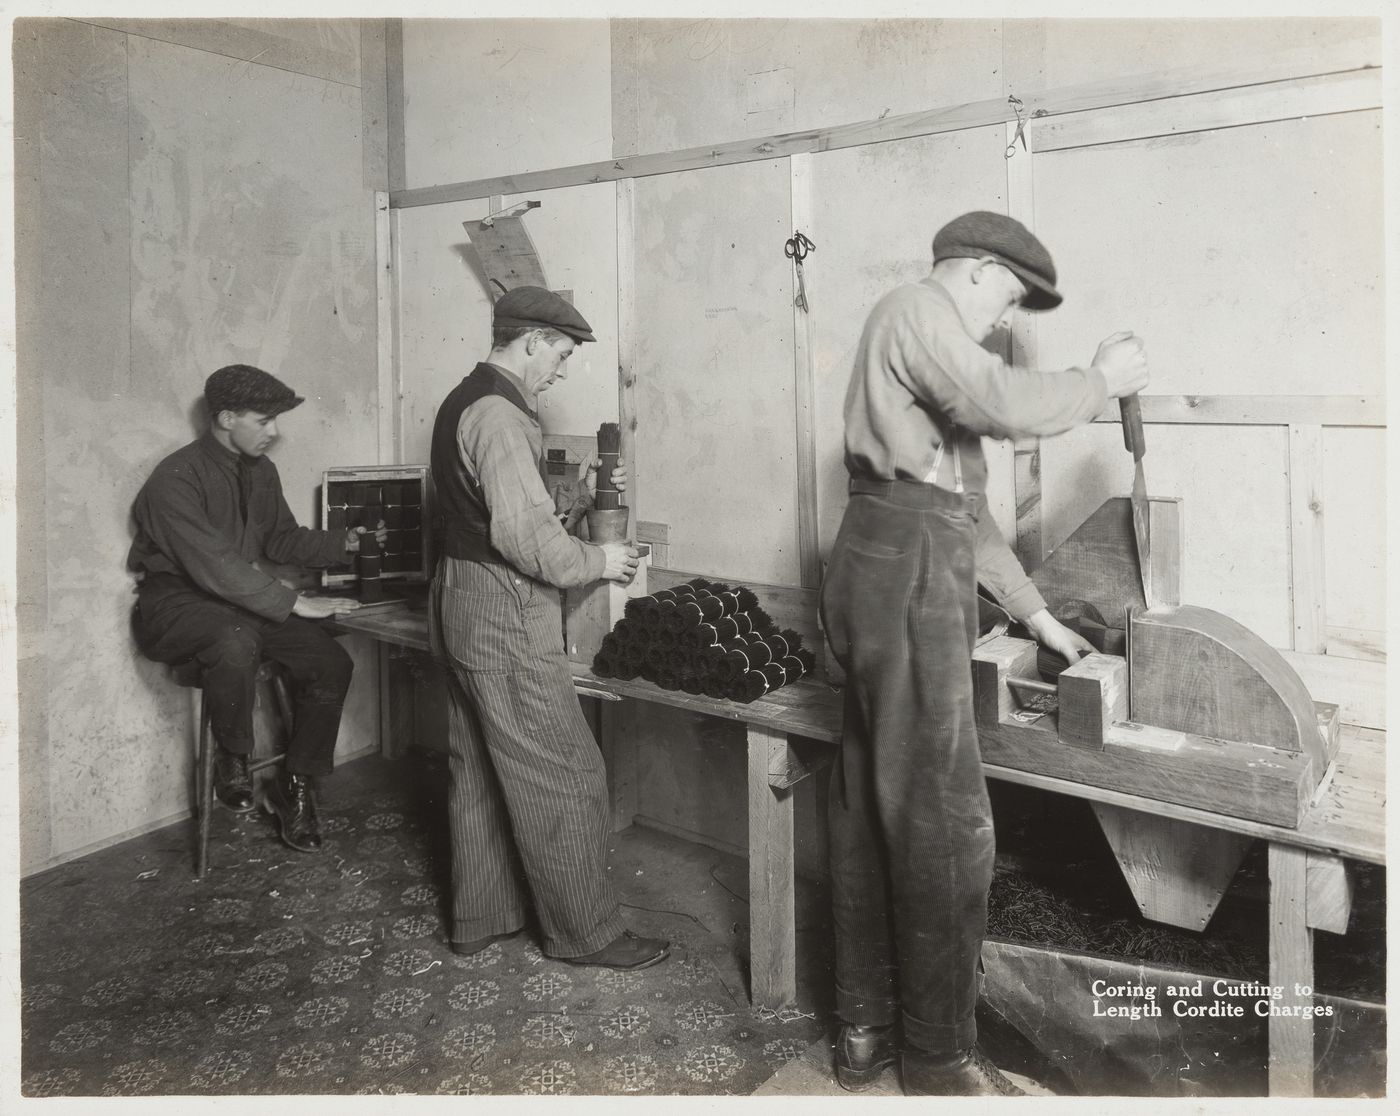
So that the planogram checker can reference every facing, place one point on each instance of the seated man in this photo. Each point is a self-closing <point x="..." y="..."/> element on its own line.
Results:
<point x="205" y="518"/>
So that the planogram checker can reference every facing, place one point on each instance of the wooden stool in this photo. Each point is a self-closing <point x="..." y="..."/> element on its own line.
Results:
<point x="188" y="674"/>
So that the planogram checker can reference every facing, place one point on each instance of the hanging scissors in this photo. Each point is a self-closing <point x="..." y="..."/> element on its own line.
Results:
<point x="796" y="248"/>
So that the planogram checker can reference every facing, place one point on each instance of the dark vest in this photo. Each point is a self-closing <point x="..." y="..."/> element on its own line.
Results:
<point x="463" y="519"/>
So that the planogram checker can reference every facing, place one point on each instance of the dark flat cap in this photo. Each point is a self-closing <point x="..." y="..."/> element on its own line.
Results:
<point x="241" y="387"/>
<point x="537" y="308"/>
<point x="1006" y="240"/>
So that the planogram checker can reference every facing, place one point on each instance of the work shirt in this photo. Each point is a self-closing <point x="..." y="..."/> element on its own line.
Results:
<point x="922" y="387"/>
<point x="190" y="521"/>
<point x="501" y="447"/>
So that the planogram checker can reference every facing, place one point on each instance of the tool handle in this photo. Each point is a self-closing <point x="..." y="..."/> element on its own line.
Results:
<point x="1133" y="439"/>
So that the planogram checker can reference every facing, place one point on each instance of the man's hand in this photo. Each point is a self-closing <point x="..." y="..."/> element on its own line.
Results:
<point x="1123" y="363"/>
<point x="588" y="473"/>
<point x="352" y="537"/>
<point x="1054" y="636"/>
<point x="318" y="608"/>
<point x="620" y="561"/>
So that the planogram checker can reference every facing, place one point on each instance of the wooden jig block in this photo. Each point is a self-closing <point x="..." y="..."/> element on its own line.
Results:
<point x="1093" y="694"/>
<point x="993" y="661"/>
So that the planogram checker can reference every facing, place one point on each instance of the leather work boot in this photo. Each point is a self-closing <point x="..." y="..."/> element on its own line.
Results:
<point x="964" y="1074"/>
<point x="291" y="800"/>
<point x="862" y="1054"/>
<point x="476" y="945"/>
<point x="626" y="951"/>
<point x="233" y="785"/>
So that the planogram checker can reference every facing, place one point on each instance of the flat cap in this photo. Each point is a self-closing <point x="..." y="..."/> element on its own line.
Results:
<point x="241" y="387"/>
<point x="537" y="308"/>
<point x="1006" y="240"/>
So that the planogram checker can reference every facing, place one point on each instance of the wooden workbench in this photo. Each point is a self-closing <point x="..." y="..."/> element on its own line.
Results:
<point x="790" y="732"/>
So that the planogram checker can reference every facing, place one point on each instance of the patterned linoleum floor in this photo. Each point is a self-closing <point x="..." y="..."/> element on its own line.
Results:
<point x="329" y="974"/>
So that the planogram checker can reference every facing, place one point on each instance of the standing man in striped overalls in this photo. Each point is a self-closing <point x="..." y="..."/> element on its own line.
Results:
<point x="911" y="825"/>
<point x="528" y="805"/>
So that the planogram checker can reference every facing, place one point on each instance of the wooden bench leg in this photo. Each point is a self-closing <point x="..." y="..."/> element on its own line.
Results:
<point x="617" y="739"/>
<point x="772" y="912"/>
<point x="1290" y="967"/>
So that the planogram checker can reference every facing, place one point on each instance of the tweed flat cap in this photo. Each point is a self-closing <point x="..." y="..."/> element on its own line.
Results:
<point x="1006" y="240"/>
<point x="536" y="308"/>
<point x="241" y="387"/>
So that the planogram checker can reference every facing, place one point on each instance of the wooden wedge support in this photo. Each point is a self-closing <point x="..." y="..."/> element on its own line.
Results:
<point x="1178" y="871"/>
<point x="1329" y="893"/>
<point x="1093" y="694"/>
<point x="1098" y="563"/>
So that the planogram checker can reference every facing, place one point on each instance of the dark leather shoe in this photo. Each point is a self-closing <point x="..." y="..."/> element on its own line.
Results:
<point x="233" y="785"/>
<point x="626" y="951"/>
<point x="476" y="945"/>
<point x="291" y="800"/>
<point x="964" y="1074"/>
<point x="862" y="1054"/>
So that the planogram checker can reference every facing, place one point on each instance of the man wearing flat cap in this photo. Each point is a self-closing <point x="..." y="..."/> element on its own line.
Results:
<point x="528" y="802"/>
<point x="911" y="842"/>
<point x="207" y="517"/>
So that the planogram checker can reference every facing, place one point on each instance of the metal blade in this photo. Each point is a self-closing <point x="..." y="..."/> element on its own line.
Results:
<point x="1142" y="531"/>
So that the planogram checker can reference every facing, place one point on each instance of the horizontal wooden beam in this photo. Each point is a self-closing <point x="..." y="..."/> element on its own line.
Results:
<point x="1133" y="89"/>
<point x="1322" y="95"/>
<point x="1258" y="410"/>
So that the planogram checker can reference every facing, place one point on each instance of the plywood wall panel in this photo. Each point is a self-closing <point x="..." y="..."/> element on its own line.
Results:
<point x="1073" y="51"/>
<point x="194" y="210"/>
<point x="445" y="310"/>
<point x="1250" y="258"/>
<point x="1234" y="484"/>
<point x="486" y="97"/>
<point x="716" y="438"/>
<point x="1354" y="527"/>
<point x="681" y="83"/>
<point x="876" y="209"/>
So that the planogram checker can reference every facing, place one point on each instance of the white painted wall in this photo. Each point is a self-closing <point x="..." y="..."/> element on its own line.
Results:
<point x="187" y="208"/>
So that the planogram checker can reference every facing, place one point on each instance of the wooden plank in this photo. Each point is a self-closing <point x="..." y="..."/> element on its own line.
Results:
<point x="394" y="100"/>
<point x="1329" y="893"/>
<point x="388" y="409"/>
<point x="979" y="114"/>
<point x="804" y="385"/>
<point x="1291" y="968"/>
<point x="1238" y="780"/>
<point x="1257" y="410"/>
<point x="1322" y="95"/>
<point x="374" y="108"/>
<point x="1022" y="351"/>
<point x="1198" y="671"/>
<point x="1178" y="872"/>
<point x="1356" y="686"/>
<point x="1356" y="643"/>
<point x="617" y="737"/>
<point x="1306" y="545"/>
<point x="627" y="343"/>
<point x="772" y="902"/>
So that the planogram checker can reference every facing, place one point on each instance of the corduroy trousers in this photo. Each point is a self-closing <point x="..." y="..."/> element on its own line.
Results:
<point x="912" y="845"/>
<point x="528" y="804"/>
